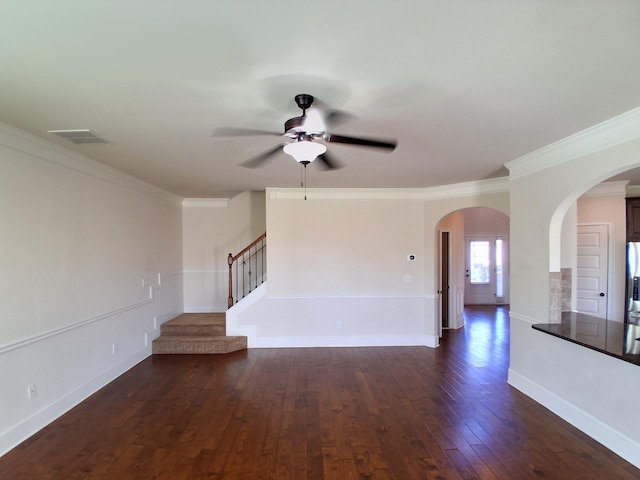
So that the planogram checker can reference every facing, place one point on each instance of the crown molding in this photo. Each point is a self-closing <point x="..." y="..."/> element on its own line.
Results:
<point x="206" y="202"/>
<point x="633" y="191"/>
<point x="35" y="147"/>
<point x="608" y="189"/>
<point x="481" y="187"/>
<point x="612" y="132"/>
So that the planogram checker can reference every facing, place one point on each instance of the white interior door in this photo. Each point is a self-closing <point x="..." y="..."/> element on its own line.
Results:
<point x="592" y="274"/>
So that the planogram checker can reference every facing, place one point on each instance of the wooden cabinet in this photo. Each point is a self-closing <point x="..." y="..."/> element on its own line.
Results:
<point x="633" y="219"/>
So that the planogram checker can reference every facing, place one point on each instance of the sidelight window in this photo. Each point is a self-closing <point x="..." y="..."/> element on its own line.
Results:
<point x="499" y="267"/>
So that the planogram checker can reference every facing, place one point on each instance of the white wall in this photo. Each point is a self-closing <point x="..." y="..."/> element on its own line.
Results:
<point x="333" y="247"/>
<point x="485" y="222"/>
<point x="77" y="242"/>
<point x="341" y="256"/>
<point x="589" y="389"/>
<point x="569" y="250"/>
<point x="213" y="228"/>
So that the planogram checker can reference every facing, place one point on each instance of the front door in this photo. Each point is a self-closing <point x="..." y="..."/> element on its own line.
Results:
<point x="485" y="274"/>
<point x="592" y="274"/>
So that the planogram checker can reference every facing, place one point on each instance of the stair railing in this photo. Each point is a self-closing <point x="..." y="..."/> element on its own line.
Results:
<point x="250" y="269"/>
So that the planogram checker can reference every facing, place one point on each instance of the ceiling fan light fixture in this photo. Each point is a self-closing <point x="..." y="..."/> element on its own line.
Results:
<point x="304" y="151"/>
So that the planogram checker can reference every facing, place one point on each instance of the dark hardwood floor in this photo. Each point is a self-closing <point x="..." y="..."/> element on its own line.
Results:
<point x="322" y="413"/>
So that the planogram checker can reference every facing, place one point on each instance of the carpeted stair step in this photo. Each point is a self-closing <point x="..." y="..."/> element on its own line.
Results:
<point x="196" y="333"/>
<point x="195" y="324"/>
<point x="197" y="344"/>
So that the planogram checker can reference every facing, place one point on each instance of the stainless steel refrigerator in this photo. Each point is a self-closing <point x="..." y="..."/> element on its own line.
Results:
<point x="633" y="283"/>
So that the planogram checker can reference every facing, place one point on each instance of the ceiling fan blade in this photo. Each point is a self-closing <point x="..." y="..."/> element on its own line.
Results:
<point x="256" y="162"/>
<point x="328" y="162"/>
<point x="241" y="132"/>
<point x="362" y="142"/>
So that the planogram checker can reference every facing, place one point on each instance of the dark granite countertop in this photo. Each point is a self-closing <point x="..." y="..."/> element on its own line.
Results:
<point x="617" y="339"/>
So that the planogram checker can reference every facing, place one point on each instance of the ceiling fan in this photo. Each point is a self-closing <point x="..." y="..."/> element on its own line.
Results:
<point x="304" y="138"/>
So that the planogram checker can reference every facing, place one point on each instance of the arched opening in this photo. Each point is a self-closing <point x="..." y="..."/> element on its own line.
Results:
<point x="473" y="262"/>
<point x="588" y="248"/>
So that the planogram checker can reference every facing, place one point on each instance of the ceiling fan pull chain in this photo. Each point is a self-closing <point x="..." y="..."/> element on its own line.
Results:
<point x="303" y="177"/>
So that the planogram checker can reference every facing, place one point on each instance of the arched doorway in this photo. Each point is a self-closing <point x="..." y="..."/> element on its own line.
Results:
<point x="463" y="279"/>
<point x="593" y="247"/>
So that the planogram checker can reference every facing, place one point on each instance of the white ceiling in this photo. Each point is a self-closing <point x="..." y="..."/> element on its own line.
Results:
<point x="465" y="86"/>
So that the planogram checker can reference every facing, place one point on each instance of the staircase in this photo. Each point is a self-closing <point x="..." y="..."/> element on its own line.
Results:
<point x="196" y="333"/>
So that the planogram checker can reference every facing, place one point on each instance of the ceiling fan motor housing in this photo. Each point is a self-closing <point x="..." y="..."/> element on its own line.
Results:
<point x="294" y="126"/>
<point x="304" y="101"/>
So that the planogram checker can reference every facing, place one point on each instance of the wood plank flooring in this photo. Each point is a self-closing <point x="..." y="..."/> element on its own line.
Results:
<point x="327" y="413"/>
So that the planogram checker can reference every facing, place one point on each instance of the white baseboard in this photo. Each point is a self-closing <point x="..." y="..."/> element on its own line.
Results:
<point x="346" y="341"/>
<point x="602" y="433"/>
<point x="19" y="432"/>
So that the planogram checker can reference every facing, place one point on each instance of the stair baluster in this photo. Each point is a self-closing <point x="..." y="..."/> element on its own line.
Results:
<point x="253" y="272"/>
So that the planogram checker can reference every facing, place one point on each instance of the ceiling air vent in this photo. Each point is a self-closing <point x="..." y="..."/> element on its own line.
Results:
<point x="80" y="136"/>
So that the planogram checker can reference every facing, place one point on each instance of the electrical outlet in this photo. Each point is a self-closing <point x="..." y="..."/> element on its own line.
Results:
<point x="143" y="282"/>
<point x="407" y="279"/>
<point x="339" y="324"/>
<point x="31" y="390"/>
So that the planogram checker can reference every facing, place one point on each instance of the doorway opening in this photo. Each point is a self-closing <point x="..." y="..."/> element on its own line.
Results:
<point x="463" y="278"/>
<point x="444" y="279"/>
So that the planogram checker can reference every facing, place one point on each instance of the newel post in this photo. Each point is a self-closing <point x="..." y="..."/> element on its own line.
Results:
<point x="230" y="299"/>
